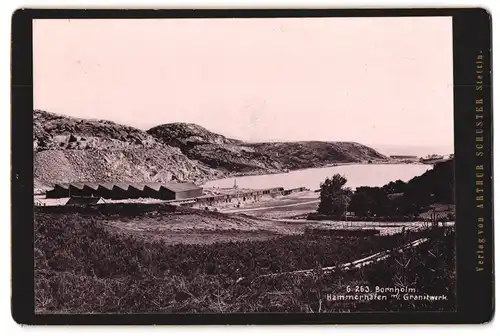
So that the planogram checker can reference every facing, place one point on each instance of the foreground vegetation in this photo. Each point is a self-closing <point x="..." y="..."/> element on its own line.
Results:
<point x="81" y="267"/>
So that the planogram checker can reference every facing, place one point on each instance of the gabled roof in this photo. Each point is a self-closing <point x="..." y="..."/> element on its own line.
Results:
<point x="93" y="186"/>
<point x="106" y="185"/>
<point x="137" y="186"/>
<point x="154" y="185"/>
<point x="123" y="186"/>
<point x="77" y="185"/>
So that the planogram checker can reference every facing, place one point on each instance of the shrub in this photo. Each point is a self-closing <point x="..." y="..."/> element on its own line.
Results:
<point x="81" y="267"/>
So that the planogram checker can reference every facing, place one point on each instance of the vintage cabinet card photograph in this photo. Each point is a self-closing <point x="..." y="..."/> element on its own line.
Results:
<point x="248" y="167"/>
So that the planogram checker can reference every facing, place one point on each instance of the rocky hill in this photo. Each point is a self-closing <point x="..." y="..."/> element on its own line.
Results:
<point x="52" y="131"/>
<point x="161" y="164"/>
<point x="220" y="152"/>
<point x="70" y="149"/>
<point x="187" y="134"/>
<point x="307" y="154"/>
<point x="215" y="150"/>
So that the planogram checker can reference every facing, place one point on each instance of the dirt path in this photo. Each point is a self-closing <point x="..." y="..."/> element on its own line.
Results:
<point x="360" y="263"/>
<point x="268" y="207"/>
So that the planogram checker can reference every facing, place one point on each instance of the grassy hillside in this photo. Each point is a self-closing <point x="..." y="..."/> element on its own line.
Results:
<point x="83" y="267"/>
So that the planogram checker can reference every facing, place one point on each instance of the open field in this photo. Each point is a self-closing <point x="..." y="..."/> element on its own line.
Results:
<point x="172" y="224"/>
<point x="85" y="264"/>
<point x="289" y="206"/>
<point x="194" y="228"/>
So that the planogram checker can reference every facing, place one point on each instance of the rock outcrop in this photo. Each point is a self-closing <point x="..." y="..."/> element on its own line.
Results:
<point x="71" y="149"/>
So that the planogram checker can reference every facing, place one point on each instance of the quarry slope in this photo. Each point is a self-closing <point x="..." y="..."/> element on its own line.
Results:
<point x="70" y="149"/>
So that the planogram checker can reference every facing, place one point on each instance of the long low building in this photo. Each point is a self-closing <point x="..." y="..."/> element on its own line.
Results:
<point x="121" y="190"/>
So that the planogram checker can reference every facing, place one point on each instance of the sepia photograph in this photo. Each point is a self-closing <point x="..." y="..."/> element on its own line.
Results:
<point x="244" y="165"/>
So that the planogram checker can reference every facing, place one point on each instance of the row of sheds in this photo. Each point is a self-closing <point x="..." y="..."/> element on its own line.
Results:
<point x="119" y="190"/>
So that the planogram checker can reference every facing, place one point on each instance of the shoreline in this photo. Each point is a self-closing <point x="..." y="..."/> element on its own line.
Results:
<point x="228" y="175"/>
<point x="329" y="165"/>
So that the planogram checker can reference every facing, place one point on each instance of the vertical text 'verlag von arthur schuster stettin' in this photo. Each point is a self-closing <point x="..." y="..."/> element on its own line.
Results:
<point x="479" y="111"/>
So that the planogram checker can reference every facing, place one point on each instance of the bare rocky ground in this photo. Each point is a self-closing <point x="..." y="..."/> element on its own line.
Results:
<point x="291" y="206"/>
<point x="72" y="149"/>
<point x="198" y="228"/>
<point x="256" y="221"/>
<point x="172" y="225"/>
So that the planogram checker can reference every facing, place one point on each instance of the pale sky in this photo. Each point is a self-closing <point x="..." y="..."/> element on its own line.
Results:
<point x="369" y="80"/>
